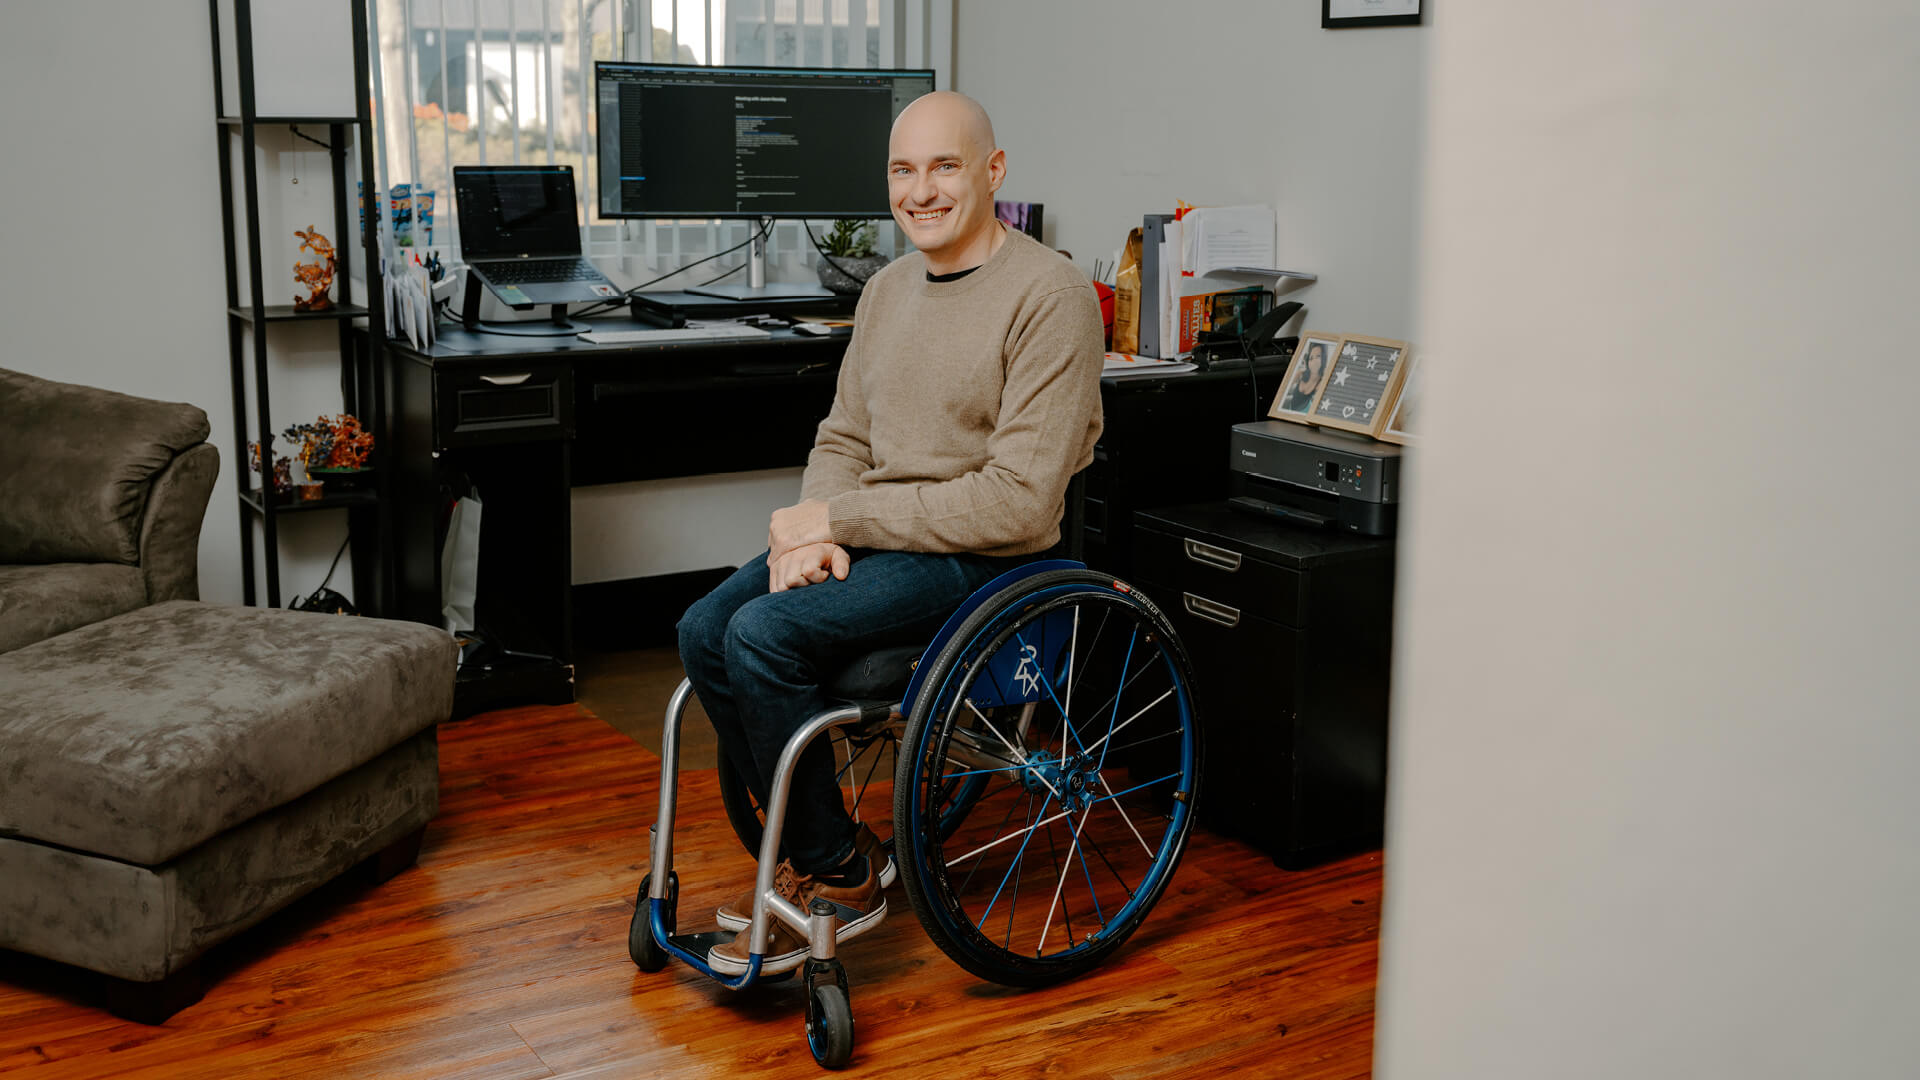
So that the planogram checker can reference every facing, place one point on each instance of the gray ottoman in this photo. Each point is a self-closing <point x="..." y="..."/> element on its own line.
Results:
<point x="171" y="776"/>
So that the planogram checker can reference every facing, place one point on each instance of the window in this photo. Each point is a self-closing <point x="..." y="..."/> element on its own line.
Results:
<point x="488" y="82"/>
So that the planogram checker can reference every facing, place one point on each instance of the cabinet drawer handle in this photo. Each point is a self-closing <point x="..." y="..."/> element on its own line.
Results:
<point x="1210" y="611"/>
<point x="1213" y="556"/>
<point x="507" y="380"/>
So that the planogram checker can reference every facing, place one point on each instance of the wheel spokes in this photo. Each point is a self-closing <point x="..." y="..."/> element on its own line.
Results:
<point x="997" y="747"/>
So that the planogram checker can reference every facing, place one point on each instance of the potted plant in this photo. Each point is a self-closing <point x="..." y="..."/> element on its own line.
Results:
<point x="847" y="259"/>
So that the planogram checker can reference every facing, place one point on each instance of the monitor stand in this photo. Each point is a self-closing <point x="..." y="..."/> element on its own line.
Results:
<point x="756" y="290"/>
<point x="747" y="294"/>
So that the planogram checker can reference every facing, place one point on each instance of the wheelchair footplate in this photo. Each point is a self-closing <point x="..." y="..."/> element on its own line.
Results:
<point x="702" y="943"/>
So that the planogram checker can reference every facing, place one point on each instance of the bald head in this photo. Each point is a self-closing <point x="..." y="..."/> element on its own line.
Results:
<point x="942" y="172"/>
<point x="953" y="114"/>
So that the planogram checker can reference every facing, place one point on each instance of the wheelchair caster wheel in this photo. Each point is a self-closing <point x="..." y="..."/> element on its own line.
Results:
<point x="829" y="1016"/>
<point x="647" y="954"/>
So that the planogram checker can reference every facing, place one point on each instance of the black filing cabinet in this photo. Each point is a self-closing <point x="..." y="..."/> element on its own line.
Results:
<point x="1289" y="631"/>
<point x="1164" y="441"/>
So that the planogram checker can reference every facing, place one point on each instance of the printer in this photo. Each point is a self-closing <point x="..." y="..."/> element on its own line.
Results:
<point x="1314" y="476"/>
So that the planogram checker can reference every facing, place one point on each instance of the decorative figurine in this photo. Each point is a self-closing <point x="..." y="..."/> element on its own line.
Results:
<point x="282" y="467"/>
<point x="331" y="445"/>
<point x="316" y="276"/>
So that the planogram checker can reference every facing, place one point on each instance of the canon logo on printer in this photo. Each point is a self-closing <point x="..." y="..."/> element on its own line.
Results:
<point x="1248" y="453"/>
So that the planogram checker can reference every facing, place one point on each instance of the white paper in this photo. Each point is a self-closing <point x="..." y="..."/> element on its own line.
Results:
<point x="1123" y="365"/>
<point x="1169" y="286"/>
<point x="408" y="325"/>
<point x="1216" y="237"/>
<point x="414" y="281"/>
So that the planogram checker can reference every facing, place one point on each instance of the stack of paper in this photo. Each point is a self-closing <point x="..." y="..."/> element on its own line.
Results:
<point x="1216" y="237"/>
<point x="1188" y="248"/>
<point x="1122" y="365"/>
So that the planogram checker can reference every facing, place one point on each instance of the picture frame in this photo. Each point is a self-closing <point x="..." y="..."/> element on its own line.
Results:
<point x="1023" y="216"/>
<point x="1349" y="14"/>
<point x="1359" y="388"/>
<point x="1301" y="386"/>
<point x="1403" y="418"/>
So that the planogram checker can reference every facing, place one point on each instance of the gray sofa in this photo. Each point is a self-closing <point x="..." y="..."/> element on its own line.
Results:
<point x="101" y="496"/>
<point x="173" y="772"/>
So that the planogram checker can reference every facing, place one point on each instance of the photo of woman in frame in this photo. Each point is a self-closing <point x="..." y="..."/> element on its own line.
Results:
<point x="1305" y="376"/>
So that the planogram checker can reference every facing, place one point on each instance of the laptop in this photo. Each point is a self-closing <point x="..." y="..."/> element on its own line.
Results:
<point x="520" y="233"/>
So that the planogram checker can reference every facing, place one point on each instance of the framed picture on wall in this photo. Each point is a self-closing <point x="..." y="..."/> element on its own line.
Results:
<point x="1360" y="386"/>
<point x="1306" y="376"/>
<point x="1343" y="14"/>
<point x="1403" y="417"/>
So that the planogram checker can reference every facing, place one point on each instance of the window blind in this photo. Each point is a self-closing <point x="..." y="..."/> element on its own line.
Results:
<point x="489" y="82"/>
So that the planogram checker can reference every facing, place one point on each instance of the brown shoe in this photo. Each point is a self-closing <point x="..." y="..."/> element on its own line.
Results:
<point x="734" y="914"/>
<point x="859" y="908"/>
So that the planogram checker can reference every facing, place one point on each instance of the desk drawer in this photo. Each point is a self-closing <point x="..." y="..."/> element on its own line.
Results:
<point x="516" y="403"/>
<point x="1222" y="581"/>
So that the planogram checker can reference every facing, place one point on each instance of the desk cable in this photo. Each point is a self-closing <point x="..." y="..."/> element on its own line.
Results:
<point x="766" y="227"/>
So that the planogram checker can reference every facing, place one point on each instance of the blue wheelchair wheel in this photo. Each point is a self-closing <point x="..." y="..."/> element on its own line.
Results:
<point x="1066" y="703"/>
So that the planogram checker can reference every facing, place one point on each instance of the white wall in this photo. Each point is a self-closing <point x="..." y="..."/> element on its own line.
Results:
<point x="1653" y="800"/>
<point x="1068" y="104"/>
<point x="112" y="225"/>
<point x="1109" y="109"/>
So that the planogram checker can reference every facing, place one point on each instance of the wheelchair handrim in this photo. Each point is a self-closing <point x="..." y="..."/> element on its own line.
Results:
<point x="993" y="636"/>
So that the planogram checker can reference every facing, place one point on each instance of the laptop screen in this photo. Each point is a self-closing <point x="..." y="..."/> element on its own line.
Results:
<point x="515" y="210"/>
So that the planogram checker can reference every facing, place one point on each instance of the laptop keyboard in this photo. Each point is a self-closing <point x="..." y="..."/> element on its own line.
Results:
<point x="541" y="271"/>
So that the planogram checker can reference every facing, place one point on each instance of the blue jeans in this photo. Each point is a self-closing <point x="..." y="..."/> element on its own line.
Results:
<point x="757" y="661"/>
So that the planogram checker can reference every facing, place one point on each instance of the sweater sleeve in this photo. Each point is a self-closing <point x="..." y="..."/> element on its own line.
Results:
<point x="1049" y="416"/>
<point x="842" y="446"/>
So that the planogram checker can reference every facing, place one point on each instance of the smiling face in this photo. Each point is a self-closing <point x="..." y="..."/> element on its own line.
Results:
<point x="942" y="172"/>
<point x="1310" y="371"/>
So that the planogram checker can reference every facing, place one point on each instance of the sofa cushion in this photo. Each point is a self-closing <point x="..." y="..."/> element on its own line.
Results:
<point x="78" y="463"/>
<point x="41" y="601"/>
<point x="144" y="735"/>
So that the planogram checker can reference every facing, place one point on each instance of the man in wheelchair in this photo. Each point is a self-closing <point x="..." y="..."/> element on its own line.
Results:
<point x="968" y="397"/>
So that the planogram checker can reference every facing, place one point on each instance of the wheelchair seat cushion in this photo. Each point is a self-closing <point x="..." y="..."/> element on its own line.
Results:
<point x="879" y="675"/>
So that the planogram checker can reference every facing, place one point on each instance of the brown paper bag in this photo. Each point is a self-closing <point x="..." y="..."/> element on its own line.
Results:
<point x="1126" y="298"/>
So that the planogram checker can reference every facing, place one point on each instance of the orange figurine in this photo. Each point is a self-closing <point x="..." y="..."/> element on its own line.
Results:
<point x="316" y="276"/>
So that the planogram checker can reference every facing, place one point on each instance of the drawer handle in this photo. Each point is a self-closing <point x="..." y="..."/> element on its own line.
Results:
<point x="1210" y="611"/>
<point x="1213" y="556"/>
<point x="507" y="380"/>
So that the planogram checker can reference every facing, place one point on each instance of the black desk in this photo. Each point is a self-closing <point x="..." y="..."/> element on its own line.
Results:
<point x="526" y="419"/>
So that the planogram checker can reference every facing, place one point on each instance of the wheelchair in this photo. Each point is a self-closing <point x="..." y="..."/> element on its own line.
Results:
<point x="1046" y="754"/>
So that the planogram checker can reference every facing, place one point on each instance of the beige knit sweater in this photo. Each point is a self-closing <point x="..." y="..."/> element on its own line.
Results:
<point x="963" y="407"/>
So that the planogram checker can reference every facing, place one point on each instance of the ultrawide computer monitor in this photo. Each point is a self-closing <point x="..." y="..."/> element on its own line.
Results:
<point x="690" y="141"/>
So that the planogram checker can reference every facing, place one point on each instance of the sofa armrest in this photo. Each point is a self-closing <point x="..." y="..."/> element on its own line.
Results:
<point x="170" y="532"/>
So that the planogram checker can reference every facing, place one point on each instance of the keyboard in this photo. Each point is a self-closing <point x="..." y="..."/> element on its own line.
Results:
<point x="540" y="271"/>
<point x="662" y="336"/>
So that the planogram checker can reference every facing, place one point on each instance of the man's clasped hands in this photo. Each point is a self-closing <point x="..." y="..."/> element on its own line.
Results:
<point x="800" y="547"/>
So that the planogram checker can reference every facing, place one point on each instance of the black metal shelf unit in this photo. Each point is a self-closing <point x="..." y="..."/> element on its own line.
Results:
<point x="363" y="374"/>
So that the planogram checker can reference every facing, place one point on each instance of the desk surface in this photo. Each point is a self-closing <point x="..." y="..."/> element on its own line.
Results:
<point x="457" y="347"/>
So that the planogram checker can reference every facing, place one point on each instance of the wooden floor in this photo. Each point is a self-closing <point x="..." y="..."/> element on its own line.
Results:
<point x="503" y="954"/>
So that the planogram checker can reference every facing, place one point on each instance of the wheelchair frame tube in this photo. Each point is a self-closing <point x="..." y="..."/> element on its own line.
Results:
<point x="661" y="856"/>
<point x="765" y="899"/>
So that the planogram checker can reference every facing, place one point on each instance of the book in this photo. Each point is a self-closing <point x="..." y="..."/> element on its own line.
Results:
<point x="1224" y="311"/>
